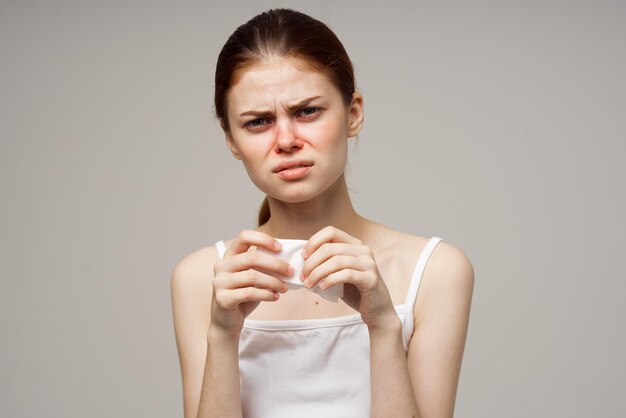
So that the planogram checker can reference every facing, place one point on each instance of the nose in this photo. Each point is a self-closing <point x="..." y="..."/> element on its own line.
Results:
<point x="286" y="137"/>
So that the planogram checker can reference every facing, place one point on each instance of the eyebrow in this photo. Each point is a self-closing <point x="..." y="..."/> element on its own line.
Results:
<point x="291" y="107"/>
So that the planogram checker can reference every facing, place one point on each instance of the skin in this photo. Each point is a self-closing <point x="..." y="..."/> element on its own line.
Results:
<point x="273" y="118"/>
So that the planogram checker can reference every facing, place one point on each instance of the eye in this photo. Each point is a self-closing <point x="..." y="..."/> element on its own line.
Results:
<point x="309" y="112"/>
<point x="256" y="124"/>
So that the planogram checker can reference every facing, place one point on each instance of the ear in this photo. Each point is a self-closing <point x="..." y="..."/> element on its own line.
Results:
<point x="355" y="114"/>
<point x="231" y="144"/>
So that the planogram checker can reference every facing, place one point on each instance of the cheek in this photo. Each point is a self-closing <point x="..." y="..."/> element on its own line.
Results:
<point x="255" y="149"/>
<point x="327" y="131"/>
<point x="330" y="139"/>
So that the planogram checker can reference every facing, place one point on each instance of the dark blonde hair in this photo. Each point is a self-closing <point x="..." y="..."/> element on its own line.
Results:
<point x="284" y="33"/>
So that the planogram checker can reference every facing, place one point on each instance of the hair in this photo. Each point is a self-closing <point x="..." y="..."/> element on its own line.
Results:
<point x="281" y="33"/>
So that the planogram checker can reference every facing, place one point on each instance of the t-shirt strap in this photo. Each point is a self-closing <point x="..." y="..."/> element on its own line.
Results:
<point x="221" y="248"/>
<point x="411" y="296"/>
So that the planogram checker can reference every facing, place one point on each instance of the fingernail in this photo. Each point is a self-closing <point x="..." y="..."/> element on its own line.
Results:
<point x="305" y="254"/>
<point x="307" y="283"/>
<point x="301" y="276"/>
<point x="290" y="269"/>
<point x="277" y="245"/>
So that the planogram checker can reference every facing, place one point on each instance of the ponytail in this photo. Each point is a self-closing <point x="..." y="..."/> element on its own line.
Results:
<point x="264" y="212"/>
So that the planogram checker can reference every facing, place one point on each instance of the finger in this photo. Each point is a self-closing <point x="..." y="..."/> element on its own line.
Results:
<point x="248" y="238"/>
<point x="355" y="277"/>
<point x="258" y="260"/>
<point x="327" y="234"/>
<point x="335" y="264"/>
<point x="229" y="299"/>
<point x="254" y="278"/>
<point x="328" y="250"/>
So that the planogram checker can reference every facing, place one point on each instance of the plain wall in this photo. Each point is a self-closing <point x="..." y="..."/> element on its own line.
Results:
<point x="496" y="125"/>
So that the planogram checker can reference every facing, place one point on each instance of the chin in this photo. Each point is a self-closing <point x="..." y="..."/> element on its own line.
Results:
<point x="294" y="197"/>
<point x="298" y="192"/>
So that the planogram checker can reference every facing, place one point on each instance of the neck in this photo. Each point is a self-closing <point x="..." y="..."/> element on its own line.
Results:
<point x="303" y="219"/>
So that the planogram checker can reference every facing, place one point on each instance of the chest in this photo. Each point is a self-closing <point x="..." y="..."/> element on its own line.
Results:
<point x="396" y="271"/>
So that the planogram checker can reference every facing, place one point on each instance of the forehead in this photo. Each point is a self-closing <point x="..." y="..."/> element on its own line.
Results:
<point x="275" y="82"/>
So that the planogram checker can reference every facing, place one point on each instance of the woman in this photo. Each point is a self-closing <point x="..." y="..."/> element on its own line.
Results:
<point x="252" y="346"/>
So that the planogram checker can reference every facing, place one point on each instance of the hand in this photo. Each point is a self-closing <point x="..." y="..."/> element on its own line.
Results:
<point x="333" y="257"/>
<point x="242" y="279"/>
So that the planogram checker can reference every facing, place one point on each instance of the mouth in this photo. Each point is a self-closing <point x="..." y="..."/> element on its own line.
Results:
<point x="292" y="165"/>
<point x="294" y="172"/>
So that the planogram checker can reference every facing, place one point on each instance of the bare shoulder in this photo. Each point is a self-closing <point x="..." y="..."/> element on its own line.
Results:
<point x="397" y="248"/>
<point x="450" y="266"/>
<point x="394" y="243"/>
<point x="446" y="261"/>
<point x="448" y="278"/>
<point x="195" y="270"/>
<point x="191" y="289"/>
<point x="448" y="273"/>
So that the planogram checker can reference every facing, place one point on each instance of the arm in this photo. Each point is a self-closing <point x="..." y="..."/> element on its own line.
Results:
<point x="210" y="300"/>
<point x="392" y="393"/>
<point x="208" y="360"/>
<point x="221" y="377"/>
<point x="425" y="381"/>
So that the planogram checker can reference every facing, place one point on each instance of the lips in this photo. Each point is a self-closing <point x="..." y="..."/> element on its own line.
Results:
<point x="292" y="164"/>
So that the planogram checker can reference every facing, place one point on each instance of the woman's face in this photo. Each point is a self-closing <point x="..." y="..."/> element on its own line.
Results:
<point x="280" y="112"/>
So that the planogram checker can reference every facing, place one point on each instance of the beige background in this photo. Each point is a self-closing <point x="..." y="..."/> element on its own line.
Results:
<point x="496" y="125"/>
